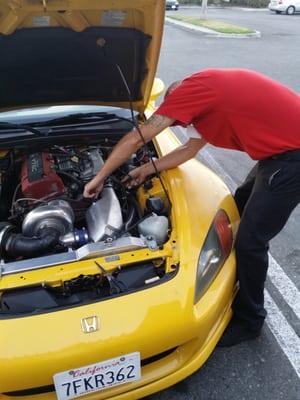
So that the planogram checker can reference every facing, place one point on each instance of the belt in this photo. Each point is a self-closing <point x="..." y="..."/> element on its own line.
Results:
<point x="291" y="155"/>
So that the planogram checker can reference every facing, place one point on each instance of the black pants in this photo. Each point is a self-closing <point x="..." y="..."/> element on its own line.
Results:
<point x="265" y="201"/>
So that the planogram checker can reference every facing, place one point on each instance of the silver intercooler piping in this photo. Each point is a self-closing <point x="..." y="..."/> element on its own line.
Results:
<point x="104" y="217"/>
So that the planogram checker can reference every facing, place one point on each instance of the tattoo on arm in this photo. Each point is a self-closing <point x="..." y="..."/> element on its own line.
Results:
<point x="157" y="121"/>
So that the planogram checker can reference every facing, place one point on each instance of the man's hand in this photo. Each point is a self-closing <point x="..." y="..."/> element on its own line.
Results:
<point x="138" y="175"/>
<point x="93" y="188"/>
<point x="128" y="145"/>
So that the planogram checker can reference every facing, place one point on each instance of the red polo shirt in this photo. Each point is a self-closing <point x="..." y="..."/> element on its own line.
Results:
<point x="238" y="109"/>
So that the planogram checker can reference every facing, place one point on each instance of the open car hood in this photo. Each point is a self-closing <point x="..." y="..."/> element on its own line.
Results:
<point x="79" y="52"/>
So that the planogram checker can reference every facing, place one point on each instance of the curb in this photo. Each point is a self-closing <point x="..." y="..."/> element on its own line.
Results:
<point x="210" y="32"/>
<point x="223" y="7"/>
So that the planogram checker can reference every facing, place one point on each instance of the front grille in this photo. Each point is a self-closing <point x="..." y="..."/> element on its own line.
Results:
<point x="50" y="388"/>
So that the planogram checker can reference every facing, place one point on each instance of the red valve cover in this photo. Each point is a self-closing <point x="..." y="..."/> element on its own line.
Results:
<point x="39" y="180"/>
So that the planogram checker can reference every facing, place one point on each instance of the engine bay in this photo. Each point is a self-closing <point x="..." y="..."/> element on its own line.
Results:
<point x="43" y="212"/>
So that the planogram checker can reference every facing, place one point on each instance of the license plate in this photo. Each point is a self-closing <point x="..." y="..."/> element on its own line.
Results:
<point x="95" y="377"/>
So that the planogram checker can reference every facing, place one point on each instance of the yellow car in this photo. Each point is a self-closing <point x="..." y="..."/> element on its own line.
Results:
<point x="125" y="295"/>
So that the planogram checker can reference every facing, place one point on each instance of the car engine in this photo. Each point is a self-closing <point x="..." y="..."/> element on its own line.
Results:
<point x="42" y="207"/>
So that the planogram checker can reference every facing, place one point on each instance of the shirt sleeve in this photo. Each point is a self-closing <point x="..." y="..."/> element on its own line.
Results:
<point x="189" y="101"/>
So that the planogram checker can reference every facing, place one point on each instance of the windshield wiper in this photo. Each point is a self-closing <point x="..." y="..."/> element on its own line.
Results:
<point x="86" y="117"/>
<point x="11" y="125"/>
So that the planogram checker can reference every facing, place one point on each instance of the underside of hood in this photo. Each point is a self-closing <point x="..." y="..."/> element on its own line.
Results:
<point x="78" y="52"/>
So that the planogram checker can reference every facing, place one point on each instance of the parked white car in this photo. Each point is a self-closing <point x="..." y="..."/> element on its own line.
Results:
<point x="285" y="6"/>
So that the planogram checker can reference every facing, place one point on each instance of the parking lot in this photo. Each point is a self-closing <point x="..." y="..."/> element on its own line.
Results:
<point x="268" y="368"/>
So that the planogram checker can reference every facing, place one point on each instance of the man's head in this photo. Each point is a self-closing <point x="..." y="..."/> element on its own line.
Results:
<point x="171" y="88"/>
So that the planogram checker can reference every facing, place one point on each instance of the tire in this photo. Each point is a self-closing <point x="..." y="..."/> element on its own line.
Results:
<point x="290" y="10"/>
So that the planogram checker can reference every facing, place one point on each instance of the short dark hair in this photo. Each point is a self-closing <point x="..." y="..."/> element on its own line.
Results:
<point x="171" y="87"/>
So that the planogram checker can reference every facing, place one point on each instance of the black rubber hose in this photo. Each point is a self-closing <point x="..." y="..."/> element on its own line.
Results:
<point x="134" y="213"/>
<point x="71" y="177"/>
<point x="18" y="245"/>
<point x="131" y="217"/>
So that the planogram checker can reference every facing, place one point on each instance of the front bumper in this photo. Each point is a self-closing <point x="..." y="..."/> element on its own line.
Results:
<point x="193" y="345"/>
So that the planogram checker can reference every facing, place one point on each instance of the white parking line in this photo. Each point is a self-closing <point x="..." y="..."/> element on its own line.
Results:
<point x="284" y="334"/>
<point x="279" y="326"/>
<point x="285" y="286"/>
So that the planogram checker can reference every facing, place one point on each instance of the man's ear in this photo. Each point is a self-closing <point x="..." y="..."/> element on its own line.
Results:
<point x="171" y="88"/>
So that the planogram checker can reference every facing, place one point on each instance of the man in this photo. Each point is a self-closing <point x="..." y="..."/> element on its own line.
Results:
<point x="240" y="110"/>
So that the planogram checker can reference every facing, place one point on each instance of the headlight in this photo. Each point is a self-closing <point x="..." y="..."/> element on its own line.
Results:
<point x="217" y="247"/>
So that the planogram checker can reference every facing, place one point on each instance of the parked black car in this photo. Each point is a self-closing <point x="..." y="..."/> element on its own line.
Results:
<point x="172" y="5"/>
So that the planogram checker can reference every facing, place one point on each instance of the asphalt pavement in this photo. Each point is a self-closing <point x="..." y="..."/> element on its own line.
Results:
<point x="268" y="368"/>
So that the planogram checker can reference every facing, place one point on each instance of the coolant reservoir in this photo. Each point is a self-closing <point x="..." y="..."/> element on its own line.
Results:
<point x="156" y="226"/>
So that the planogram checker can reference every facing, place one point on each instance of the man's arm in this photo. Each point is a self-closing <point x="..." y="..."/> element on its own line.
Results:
<point x="180" y="155"/>
<point x="128" y="145"/>
<point x="170" y="160"/>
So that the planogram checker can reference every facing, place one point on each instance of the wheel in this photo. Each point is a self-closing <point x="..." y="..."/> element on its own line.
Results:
<point x="290" y="10"/>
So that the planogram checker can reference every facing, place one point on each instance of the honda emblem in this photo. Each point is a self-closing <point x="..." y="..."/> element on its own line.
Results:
<point x="90" y="324"/>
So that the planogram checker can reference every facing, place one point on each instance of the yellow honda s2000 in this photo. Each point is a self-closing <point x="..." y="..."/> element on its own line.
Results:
<point x="125" y="295"/>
